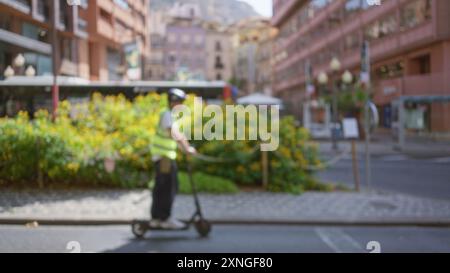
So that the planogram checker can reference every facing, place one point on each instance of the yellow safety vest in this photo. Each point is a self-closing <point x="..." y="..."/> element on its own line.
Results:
<point x="163" y="144"/>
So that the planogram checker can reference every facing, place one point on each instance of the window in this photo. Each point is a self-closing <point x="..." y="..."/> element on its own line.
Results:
<point x="34" y="32"/>
<point x="105" y="16"/>
<point x="218" y="46"/>
<point x="43" y="9"/>
<point x="114" y="60"/>
<point x="172" y="38"/>
<point x="219" y="64"/>
<point x="122" y="3"/>
<point x="5" y="21"/>
<point x="172" y="58"/>
<point x="420" y="65"/>
<point x="198" y="40"/>
<point x="351" y="42"/>
<point x="63" y="13"/>
<point x="82" y="24"/>
<point x="415" y="13"/>
<point x="389" y="71"/>
<point x="382" y="28"/>
<point x="185" y="39"/>
<point x="66" y="49"/>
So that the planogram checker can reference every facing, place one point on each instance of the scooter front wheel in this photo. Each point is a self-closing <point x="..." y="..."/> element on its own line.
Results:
<point x="138" y="229"/>
<point x="203" y="227"/>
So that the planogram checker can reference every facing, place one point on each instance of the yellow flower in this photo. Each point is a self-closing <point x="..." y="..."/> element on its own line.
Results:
<point x="255" y="167"/>
<point x="240" y="169"/>
<point x="74" y="167"/>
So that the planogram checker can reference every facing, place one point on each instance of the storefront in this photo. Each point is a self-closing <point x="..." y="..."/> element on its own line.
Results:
<point x="420" y="116"/>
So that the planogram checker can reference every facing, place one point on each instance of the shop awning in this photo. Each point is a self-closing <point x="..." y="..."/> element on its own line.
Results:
<point x="260" y="99"/>
<point x="424" y="99"/>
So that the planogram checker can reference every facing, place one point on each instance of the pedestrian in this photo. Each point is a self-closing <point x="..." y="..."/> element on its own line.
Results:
<point x="164" y="153"/>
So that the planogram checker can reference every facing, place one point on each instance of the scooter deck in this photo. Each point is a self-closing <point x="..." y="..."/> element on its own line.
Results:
<point x="145" y="224"/>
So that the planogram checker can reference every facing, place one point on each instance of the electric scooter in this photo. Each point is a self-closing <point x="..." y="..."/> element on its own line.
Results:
<point x="202" y="226"/>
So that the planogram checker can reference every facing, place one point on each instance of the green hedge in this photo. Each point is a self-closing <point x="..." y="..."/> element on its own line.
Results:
<point x="73" y="149"/>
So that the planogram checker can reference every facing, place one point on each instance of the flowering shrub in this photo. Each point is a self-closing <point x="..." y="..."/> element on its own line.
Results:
<point x="106" y="142"/>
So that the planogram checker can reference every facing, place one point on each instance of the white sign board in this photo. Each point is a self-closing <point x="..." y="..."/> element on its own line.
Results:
<point x="350" y="126"/>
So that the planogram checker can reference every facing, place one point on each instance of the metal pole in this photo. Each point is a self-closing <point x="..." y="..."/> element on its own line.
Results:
<point x="55" y="87"/>
<point x="265" y="168"/>
<point x="335" y="116"/>
<point x="367" y="132"/>
<point x="401" y="124"/>
<point x="355" y="166"/>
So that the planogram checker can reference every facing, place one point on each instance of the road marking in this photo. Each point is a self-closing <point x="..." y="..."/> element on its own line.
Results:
<point x="393" y="158"/>
<point x="338" y="241"/>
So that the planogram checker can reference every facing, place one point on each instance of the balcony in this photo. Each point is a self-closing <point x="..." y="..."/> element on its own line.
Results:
<point x="23" y="6"/>
<point x="24" y="42"/>
<point x="282" y="11"/>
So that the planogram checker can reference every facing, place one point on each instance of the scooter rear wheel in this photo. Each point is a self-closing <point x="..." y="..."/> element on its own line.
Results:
<point x="203" y="227"/>
<point x="138" y="229"/>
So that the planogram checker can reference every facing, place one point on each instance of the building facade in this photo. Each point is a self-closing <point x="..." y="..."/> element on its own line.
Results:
<point x="155" y="65"/>
<point x="252" y="48"/>
<point x="218" y="52"/>
<point x="185" y="49"/>
<point x="118" y="43"/>
<point x="264" y="62"/>
<point x="98" y="39"/>
<point x="409" y="49"/>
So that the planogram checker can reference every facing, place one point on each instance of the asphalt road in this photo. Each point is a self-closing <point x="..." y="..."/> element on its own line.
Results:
<point x="243" y="239"/>
<point x="429" y="178"/>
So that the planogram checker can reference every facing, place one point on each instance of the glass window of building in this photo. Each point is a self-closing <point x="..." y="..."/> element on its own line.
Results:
<point x="382" y="28"/>
<point x="415" y="13"/>
<point x="390" y="71"/>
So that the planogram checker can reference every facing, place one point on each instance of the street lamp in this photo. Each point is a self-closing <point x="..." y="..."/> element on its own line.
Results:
<point x="19" y="61"/>
<point x="347" y="77"/>
<point x="335" y="66"/>
<point x="323" y="78"/>
<point x="30" y="72"/>
<point x="9" y="72"/>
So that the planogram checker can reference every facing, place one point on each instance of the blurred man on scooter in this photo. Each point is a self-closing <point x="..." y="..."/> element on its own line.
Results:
<point x="164" y="152"/>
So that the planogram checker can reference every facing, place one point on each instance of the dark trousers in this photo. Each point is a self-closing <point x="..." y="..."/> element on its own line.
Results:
<point x="164" y="191"/>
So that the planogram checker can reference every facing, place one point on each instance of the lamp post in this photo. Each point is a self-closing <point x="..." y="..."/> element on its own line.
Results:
<point x="347" y="79"/>
<point x="54" y="38"/>
<point x="335" y="66"/>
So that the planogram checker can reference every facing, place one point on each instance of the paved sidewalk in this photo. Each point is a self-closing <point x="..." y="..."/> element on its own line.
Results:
<point x="121" y="206"/>
<point x="382" y="145"/>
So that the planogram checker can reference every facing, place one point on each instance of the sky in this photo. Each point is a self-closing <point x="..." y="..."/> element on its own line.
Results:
<point x="264" y="7"/>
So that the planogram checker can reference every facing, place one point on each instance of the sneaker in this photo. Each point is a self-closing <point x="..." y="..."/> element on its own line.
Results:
<point x="172" y="224"/>
<point x="155" y="223"/>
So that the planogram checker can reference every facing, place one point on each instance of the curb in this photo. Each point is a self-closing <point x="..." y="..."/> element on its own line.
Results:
<point x="367" y="223"/>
